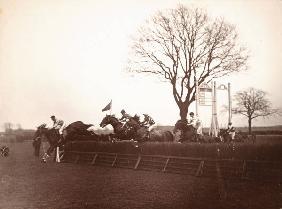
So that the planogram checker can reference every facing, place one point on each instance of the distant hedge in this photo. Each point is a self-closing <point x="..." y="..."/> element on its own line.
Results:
<point x="267" y="132"/>
<point x="262" y="132"/>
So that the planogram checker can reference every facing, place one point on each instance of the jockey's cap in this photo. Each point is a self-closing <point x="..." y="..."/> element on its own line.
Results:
<point x="53" y="116"/>
<point x="191" y="113"/>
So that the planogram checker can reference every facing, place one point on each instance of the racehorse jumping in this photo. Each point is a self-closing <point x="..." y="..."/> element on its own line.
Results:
<point x="139" y="133"/>
<point x="52" y="137"/>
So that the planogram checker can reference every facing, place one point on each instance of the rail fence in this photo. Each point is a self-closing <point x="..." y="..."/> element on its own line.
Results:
<point x="221" y="168"/>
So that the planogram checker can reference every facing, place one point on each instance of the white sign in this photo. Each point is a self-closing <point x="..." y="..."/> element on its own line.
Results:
<point x="205" y="95"/>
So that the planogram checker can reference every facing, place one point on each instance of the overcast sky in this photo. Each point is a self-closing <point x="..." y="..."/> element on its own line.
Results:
<point x="67" y="58"/>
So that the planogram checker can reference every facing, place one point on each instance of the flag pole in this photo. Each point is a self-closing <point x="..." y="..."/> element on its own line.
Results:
<point x="111" y="107"/>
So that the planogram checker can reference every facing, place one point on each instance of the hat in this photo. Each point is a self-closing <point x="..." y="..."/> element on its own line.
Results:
<point x="53" y="116"/>
<point x="191" y="113"/>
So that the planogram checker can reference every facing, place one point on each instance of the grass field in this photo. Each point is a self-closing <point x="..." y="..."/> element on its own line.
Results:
<point x="27" y="183"/>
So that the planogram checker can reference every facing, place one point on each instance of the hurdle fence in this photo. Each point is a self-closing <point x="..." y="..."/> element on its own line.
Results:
<point x="199" y="167"/>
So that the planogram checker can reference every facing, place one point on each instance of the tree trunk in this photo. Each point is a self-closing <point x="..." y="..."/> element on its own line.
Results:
<point x="183" y="108"/>
<point x="250" y="125"/>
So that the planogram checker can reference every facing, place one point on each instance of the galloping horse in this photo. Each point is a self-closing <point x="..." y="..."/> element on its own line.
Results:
<point x="188" y="132"/>
<point x="52" y="137"/>
<point x="140" y="133"/>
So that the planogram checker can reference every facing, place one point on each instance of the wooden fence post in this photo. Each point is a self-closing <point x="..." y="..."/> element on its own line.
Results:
<point x="166" y="163"/>
<point x="94" y="159"/>
<point x="200" y="168"/>
<point x="114" y="161"/>
<point x="138" y="161"/>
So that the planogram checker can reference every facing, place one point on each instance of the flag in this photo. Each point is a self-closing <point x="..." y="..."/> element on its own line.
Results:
<point x="108" y="107"/>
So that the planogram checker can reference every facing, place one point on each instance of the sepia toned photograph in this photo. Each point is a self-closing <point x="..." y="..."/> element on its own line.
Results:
<point x="140" y="104"/>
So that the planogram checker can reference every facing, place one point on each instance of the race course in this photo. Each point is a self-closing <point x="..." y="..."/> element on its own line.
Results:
<point x="28" y="183"/>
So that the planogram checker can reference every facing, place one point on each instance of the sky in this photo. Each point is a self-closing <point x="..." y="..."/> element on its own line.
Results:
<point x="68" y="58"/>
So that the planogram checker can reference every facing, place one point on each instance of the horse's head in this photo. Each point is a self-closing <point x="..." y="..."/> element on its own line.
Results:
<point x="108" y="119"/>
<point x="40" y="131"/>
<point x="222" y="132"/>
<point x="180" y="125"/>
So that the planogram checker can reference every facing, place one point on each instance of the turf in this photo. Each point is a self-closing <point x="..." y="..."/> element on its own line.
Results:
<point x="27" y="183"/>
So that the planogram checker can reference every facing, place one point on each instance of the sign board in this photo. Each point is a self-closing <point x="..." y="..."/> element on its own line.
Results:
<point x="205" y="95"/>
<point x="205" y="87"/>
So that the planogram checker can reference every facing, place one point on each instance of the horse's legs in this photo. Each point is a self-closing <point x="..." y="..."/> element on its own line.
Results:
<point x="49" y="152"/>
<point x="51" y="149"/>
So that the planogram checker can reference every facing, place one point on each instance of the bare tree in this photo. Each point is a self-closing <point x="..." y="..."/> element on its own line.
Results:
<point x="253" y="103"/>
<point x="183" y="45"/>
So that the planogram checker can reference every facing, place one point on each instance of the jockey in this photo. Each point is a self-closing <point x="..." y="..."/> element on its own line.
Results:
<point x="148" y="120"/>
<point x="125" y="116"/>
<point x="57" y="124"/>
<point x="196" y="123"/>
<point x="130" y="122"/>
<point x="192" y="120"/>
<point x="231" y="130"/>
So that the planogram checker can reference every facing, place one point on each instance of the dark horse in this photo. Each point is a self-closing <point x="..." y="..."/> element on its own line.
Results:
<point x="52" y="137"/>
<point x="139" y="133"/>
<point x="188" y="132"/>
<point x="224" y="135"/>
<point x="78" y="131"/>
<point x="239" y="137"/>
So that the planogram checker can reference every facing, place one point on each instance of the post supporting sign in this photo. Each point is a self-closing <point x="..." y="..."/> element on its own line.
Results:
<point x="214" y="129"/>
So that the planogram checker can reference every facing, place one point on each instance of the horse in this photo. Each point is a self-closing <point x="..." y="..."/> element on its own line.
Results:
<point x="78" y="131"/>
<point x="160" y="136"/>
<point x="224" y="135"/>
<point x="52" y="137"/>
<point x="138" y="132"/>
<point x="239" y="136"/>
<point x="188" y="132"/>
